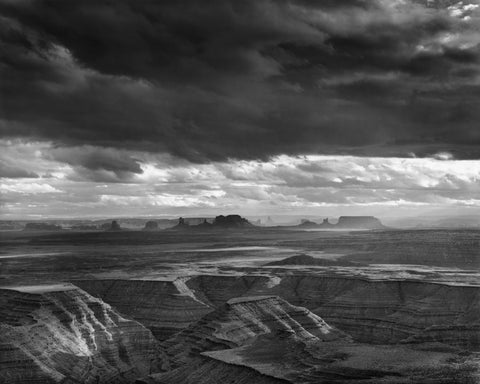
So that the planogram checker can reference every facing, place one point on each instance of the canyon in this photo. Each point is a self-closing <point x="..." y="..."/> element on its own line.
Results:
<point x="387" y="311"/>
<point x="240" y="307"/>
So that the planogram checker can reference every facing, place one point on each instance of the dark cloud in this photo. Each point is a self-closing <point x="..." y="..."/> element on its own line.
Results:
<point x="250" y="79"/>
<point x="13" y="172"/>
<point x="98" y="164"/>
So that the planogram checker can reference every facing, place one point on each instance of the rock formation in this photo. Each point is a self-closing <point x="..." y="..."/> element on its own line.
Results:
<point x="164" y="307"/>
<point x="326" y="224"/>
<point x="114" y="226"/>
<point x="220" y="222"/>
<point x="293" y="361"/>
<point x="267" y="340"/>
<point x="62" y="334"/>
<point x="231" y="221"/>
<point x="345" y="222"/>
<point x="151" y="226"/>
<point x="240" y="321"/>
<point x="385" y="311"/>
<point x="204" y="225"/>
<point x="181" y="225"/>
<point x="359" y="222"/>
<point x="307" y="224"/>
<point x="208" y="370"/>
<point x="303" y="259"/>
<point x="257" y="328"/>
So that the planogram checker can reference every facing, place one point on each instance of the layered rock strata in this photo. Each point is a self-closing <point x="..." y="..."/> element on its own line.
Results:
<point x="383" y="311"/>
<point x="164" y="307"/>
<point x="208" y="370"/>
<point x="371" y="311"/>
<point x="241" y="320"/>
<point x="63" y="334"/>
<point x="265" y="339"/>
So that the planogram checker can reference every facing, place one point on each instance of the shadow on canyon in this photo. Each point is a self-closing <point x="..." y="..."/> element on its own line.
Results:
<point x="242" y="305"/>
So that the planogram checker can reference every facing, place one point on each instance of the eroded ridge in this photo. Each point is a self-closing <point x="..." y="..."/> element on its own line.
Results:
<point x="63" y="334"/>
<point x="164" y="307"/>
<point x="374" y="311"/>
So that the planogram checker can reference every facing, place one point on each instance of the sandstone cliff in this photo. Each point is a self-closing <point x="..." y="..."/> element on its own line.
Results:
<point x="385" y="311"/>
<point x="164" y="307"/>
<point x="62" y="334"/>
<point x="240" y="320"/>
<point x="378" y="311"/>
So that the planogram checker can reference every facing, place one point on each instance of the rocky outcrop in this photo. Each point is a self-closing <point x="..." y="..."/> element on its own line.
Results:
<point x="305" y="223"/>
<point x="265" y="339"/>
<point x="231" y="221"/>
<point x="359" y="222"/>
<point x="385" y="311"/>
<point x="344" y="222"/>
<point x="207" y="370"/>
<point x="240" y="321"/>
<point x="326" y="224"/>
<point x="217" y="290"/>
<point x="164" y="307"/>
<point x="151" y="226"/>
<point x="303" y="259"/>
<point x="62" y="334"/>
<point x="464" y="336"/>
<point x="114" y="226"/>
<point x="315" y="362"/>
<point x="181" y="225"/>
<point x="220" y="222"/>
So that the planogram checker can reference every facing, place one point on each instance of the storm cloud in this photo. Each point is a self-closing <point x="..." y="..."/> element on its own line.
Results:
<point x="218" y="80"/>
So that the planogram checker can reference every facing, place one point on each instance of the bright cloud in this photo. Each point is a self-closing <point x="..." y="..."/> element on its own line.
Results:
<point x="152" y="184"/>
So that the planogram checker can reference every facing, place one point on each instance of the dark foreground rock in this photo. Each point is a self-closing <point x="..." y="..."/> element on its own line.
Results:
<point x="53" y="334"/>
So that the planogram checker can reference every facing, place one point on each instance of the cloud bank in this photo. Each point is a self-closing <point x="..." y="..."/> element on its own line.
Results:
<point x="254" y="105"/>
<point x="244" y="80"/>
<point x="144" y="184"/>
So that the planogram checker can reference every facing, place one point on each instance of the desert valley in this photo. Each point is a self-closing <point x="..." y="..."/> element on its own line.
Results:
<point x="224" y="301"/>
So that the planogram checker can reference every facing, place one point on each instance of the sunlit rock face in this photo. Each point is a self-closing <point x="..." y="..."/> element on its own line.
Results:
<point x="264" y="339"/>
<point x="242" y="319"/>
<point x="373" y="311"/>
<point x="62" y="334"/>
<point x="385" y="311"/>
<point x="164" y="307"/>
<point x="239" y="322"/>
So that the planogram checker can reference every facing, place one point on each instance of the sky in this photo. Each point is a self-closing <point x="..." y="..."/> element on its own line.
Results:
<point x="295" y="107"/>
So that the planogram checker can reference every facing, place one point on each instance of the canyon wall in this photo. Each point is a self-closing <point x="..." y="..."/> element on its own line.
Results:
<point x="240" y="320"/>
<point x="164" y="307"/>
<point x="384" y="311"/>
<point x="68" y="336"/>
<point x="381" y="311"/>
